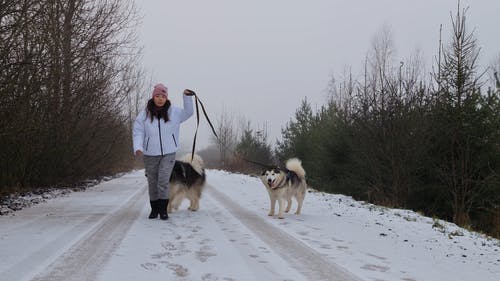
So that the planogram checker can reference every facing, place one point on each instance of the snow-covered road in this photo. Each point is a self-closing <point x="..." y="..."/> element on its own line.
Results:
<point x="96" y="236"/>
<point x="104" y="234"/>
<point x="70" y="236"/>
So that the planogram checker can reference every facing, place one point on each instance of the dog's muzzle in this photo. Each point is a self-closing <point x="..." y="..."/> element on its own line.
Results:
<point x="270" y="182"/>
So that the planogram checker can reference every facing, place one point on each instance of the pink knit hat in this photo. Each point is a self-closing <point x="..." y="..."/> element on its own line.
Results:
<point x="160" y="89"/>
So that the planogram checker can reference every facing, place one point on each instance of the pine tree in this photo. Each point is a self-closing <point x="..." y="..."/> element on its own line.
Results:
<point x="463" y="139"/>
<point x="254" y="147"/>
<point x="295" y="136"/>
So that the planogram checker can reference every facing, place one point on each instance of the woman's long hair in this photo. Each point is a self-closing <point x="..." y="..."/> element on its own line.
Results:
<point x="159" y="112"/>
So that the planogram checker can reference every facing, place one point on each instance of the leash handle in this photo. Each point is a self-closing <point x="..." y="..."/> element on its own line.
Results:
<point x="197" y="125"/>
<point x="197" y="100"/>
<point x="206" y="115"/>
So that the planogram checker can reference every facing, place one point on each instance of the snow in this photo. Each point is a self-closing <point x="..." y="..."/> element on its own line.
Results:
<point x="103" y="233"/>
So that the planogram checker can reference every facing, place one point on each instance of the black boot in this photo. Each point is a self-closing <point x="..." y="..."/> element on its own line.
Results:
<point x="162" y="205"/>
<point x="154" y="209"/>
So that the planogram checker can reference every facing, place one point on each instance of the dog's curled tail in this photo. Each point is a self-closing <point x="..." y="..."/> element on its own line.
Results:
<point x="196" y="162"/>
<point x="295" y="165"/>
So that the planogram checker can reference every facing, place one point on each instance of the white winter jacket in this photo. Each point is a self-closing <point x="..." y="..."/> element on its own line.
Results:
<point x="160" y="137"/>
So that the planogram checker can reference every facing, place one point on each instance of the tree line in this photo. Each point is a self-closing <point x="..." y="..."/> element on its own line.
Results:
<point x="397" y="136"/>
<point x="68" y="90"/>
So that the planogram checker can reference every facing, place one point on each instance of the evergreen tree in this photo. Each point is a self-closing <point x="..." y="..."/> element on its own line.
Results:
<point x="295" y="136"/>
<point x="254" y="147"/>
<point x="464" y="125"/>
<point x="329" y="162"/>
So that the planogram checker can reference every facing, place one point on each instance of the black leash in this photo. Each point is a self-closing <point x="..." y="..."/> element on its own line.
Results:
<point x="197" y="100"/>
<point x="258" y="163"/>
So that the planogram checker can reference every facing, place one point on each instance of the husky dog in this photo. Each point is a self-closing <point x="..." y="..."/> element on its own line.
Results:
<point x="187" y="181"/>
<point x="283" y="184"/>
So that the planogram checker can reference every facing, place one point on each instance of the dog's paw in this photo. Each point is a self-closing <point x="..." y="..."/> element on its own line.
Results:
<point x="281" y="217"/>
<point x="270" y="214"/>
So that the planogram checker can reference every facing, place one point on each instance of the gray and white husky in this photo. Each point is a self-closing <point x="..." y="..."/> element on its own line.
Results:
<point x="283" y="184"/>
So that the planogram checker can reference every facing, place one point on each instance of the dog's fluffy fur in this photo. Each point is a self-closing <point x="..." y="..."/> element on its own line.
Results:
<point x="187" y="181"/>
<point x="283" y="184"/>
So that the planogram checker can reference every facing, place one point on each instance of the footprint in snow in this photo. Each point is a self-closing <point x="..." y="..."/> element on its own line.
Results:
<point x="178" y="269"/>
<point x="149" y="266"/>
<point x="374" y="267"/>
<point x="204" y="253"/>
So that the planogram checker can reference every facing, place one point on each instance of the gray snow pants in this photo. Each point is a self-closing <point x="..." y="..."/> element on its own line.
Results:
<point x="158" y="170"/>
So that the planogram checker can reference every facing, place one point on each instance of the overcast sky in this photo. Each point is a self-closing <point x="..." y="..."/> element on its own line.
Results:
<point x="258" y="59"/>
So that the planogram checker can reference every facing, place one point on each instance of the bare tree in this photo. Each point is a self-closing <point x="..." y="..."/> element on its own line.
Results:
<point x="71" y="61"/>
<point x="386" y="114"/>
<point x="494" y="73"/>
<point x="227" y="136"/>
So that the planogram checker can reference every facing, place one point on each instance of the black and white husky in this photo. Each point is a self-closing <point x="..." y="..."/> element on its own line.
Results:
<point x="187" y="181"/>
<point x="283" y="184"/>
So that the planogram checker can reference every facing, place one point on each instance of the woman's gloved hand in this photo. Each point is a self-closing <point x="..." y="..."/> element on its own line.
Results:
<point x="188" y="92"/>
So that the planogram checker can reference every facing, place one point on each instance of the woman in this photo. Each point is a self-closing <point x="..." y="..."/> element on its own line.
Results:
<point x="156" y="138"/>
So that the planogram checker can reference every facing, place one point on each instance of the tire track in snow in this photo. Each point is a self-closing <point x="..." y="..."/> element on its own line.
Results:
<point x="256" y="256"/>
<point x="86" y="258"/>
<point x="304" y="259"/>
<point x="19" y="270"/>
